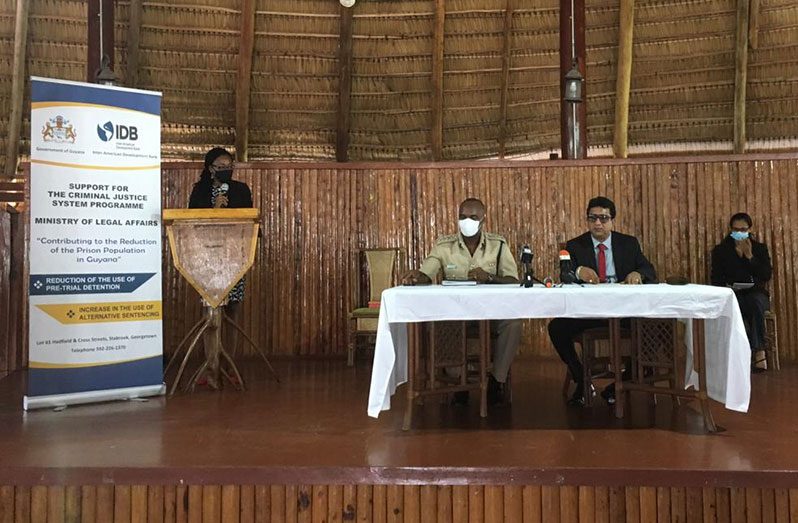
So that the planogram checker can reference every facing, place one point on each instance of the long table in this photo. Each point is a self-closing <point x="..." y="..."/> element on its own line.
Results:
<point x="721" y="370"/>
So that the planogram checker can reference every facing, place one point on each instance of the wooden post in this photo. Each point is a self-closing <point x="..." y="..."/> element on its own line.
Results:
<point x="437" y="80"/>
<point x="566" y="61"/>
<point x="96" y="27"/>
<point x="624" y="78"/>
<point x="133" y="36"/>
<point x="18" y="310"/>
<point x="740" y="75"/>
<point x="753" y="24"/>
<point x="344" y="85"/>
<point x="506" y="51"/>
<point x="17" y="87"/>
<point x="246" y="47"/>
<point x="6" y="350"/>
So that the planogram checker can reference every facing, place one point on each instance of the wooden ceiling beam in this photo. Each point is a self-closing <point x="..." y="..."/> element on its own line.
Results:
<point x="246" y="48"/>
<point x="740" y="75"/>
<point x="133" y="38"/>
<point x="17" y="87"/>
<point x="344" y="85"/>
<point x="505" y="92"/>
<point x="623" y="80"/>
<point x="437" y="80"/>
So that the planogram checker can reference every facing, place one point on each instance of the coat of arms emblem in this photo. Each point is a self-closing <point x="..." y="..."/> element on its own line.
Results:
<point x="59" y="130"/>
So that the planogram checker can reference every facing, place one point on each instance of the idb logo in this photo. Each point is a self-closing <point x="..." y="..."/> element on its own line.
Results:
<point x="127" y="132"/>
<point x="105" y="131"/>
<point x="108" y="131"/>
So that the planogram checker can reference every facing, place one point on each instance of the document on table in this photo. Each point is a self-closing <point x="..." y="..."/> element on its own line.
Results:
<point x="458" y="283"/>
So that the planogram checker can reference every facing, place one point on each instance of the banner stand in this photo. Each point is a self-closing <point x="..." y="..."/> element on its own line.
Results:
<point x="95" y="299"/>
<point x="95" y="396"/>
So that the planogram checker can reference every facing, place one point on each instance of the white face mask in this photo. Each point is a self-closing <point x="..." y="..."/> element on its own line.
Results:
<point x="739" y="235"/>
<point x="469" y="227"/>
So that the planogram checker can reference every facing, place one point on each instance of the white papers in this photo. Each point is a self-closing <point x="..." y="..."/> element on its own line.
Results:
<point x="458" y="283"/>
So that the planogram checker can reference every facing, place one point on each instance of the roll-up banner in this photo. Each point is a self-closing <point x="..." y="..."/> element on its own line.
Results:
<point x="95" y="244"/>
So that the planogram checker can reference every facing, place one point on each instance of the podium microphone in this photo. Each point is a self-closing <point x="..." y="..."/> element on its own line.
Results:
<point x="223" y="191"/>
<point x="567" y="274"/>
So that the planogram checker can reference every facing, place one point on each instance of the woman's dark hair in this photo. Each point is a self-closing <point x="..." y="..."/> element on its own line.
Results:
<point x="206" y="177"/>
<point x="741" y="216"/>
<point x="603" y="202"/>
<point x="203" y="189"/>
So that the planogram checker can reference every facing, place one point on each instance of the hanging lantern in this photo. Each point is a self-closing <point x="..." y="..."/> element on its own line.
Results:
<point x="105" y="75"/>
<point x="573" y="85"/>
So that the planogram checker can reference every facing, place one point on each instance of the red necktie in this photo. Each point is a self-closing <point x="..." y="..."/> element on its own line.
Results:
<point x="602" y="263"/>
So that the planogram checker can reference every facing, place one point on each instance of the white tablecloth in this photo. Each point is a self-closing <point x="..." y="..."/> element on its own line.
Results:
<point x="728" y="354"/>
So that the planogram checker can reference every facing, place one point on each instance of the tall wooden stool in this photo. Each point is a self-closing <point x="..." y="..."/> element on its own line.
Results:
<point x="771" y="347"/>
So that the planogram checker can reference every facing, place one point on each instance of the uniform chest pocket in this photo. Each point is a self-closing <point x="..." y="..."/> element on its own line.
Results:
<point x="453" y="271"/>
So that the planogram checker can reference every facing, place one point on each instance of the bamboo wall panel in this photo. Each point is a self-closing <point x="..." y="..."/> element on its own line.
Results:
<point x="13" y="307"/>
<point x="315" y="216"/>
<point x="394" y="503"/>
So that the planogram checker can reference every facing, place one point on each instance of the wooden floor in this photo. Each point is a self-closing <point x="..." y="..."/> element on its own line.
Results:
<point x="308" y="442"/>
<point x="315" y="423"/>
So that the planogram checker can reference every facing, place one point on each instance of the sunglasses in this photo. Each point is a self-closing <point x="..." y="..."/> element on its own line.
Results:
<point x="603" y="218"/>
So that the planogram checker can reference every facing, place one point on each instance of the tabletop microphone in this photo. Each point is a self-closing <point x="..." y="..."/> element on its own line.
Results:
<point x="526" y="255"/>
<point x="526" y="261"/>
<point x="567" y="274"/>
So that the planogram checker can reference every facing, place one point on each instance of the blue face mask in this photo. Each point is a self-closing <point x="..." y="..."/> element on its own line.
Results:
<point x="739" y="235"/>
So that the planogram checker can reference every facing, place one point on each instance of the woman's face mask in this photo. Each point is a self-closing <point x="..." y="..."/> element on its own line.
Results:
<point x="469" y="227"/>
<point x="739" y="235"/>
<point x="223" y="175"/>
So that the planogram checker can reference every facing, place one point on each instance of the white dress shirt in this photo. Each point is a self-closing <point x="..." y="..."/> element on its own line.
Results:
<point x="609" y="262"/>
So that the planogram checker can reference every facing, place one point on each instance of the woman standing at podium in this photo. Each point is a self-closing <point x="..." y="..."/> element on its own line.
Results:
<point x="216" y="189"/>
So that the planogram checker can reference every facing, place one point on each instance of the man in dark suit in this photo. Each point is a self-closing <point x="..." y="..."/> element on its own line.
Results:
<point x="600" y="256"/>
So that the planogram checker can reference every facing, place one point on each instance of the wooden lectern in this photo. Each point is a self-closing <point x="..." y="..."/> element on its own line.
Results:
<point x="212" y="249"/>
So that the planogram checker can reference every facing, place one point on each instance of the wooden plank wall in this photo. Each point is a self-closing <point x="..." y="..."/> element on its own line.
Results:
<point x="392" y="503"/>
<point x="299" y="292"/>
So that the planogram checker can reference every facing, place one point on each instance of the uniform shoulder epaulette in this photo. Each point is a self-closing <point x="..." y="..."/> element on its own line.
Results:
<point x="449" y="238"/>
<point x="494" y="236"/>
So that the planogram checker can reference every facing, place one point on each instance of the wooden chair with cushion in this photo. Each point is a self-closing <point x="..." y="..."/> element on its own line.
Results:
<point x="472" y="347"/>
<point x="658" y="352"/>
<point x="596" y="361"/>
<point x="656" y="349"/>
<point x="450" y="341"/>
<point x="439" y="363"/>
<point x="375" y="270"/>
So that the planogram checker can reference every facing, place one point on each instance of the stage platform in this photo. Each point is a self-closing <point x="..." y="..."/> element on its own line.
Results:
<point x="305" y="450"/>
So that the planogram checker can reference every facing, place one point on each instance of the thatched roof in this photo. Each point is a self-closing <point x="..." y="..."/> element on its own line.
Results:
<point x="682" y="78"/>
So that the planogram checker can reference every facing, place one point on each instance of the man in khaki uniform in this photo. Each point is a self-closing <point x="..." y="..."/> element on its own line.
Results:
<point x="475" y="254"/>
